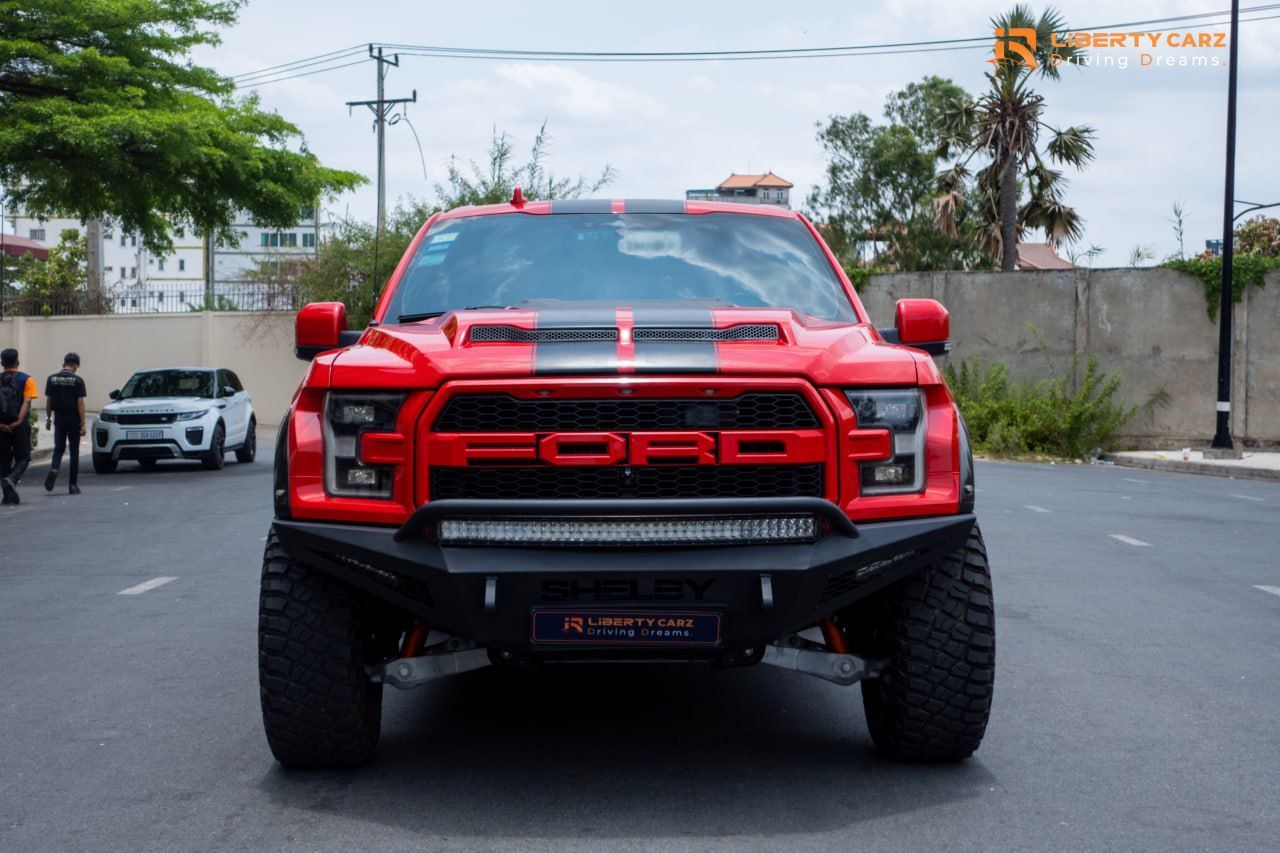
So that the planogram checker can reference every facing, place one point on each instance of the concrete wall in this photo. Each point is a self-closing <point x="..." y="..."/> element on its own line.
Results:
<point x="1149" y="325"/>
<point x="258" y="347"/>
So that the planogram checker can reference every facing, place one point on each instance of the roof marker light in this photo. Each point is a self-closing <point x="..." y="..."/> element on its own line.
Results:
<point x="517" y="197"/>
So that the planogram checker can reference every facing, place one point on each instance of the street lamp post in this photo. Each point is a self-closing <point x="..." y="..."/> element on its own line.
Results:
<point x="1222" y="434"/>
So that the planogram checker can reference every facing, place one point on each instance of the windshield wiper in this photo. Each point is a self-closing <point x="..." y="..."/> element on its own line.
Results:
<point x="431" y="315"/>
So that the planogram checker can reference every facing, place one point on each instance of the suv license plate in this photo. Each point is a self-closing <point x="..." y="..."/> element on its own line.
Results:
<point x="143" y="434"/>
<point x="626" y="627"/>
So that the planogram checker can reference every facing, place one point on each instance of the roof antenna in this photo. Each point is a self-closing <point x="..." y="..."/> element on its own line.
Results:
<point x="517" y="197"/>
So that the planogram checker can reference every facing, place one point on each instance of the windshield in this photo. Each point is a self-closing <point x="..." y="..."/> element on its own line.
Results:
<point x="169" y="383"/>
<point x="730" y="258"/>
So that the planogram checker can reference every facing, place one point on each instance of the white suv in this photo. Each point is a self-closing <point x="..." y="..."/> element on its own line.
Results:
<point x="175" y="413"/>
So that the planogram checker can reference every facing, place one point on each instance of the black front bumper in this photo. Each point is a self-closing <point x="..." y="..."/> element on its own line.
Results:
<point x="488" y="594"/>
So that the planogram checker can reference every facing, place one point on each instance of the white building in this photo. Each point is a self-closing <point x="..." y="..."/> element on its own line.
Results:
<point x="139" y="280"/>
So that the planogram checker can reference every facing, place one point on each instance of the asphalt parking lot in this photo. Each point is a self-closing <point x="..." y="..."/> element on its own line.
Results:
<point x="1137" y="697"/>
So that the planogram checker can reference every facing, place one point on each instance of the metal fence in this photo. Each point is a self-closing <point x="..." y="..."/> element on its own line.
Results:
<point x="151" y="300"/>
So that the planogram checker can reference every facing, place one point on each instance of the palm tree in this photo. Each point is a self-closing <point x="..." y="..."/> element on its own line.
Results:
<point x="1005" y="125"/>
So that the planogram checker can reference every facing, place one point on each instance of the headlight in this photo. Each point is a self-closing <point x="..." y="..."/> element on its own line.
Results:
<point x="191" y="416"/>
<point x="107" y="417"/>
<point x="346" y="417"/>
<point x="903" y="414"/>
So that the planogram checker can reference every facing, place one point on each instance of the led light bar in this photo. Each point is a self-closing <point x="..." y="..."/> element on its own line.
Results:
<point x="579" y="532"/>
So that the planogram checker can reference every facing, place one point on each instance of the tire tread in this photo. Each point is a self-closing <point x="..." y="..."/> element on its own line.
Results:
<point x="319" y="707"/>
<point x="933" y="702"/>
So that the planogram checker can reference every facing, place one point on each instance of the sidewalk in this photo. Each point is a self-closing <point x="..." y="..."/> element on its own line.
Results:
<point x="44" y="445"/>
<point x="1256" y="464"/>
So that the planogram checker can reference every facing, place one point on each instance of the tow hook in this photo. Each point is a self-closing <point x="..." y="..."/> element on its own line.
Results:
<point x="405" y="673"/>
<point x="808" y="658"/>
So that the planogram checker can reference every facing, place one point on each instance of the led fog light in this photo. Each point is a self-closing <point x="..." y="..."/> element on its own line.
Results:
<point x="628" y="531"/>
<point x="891" y="475"/>
<point x="362" y="477"/>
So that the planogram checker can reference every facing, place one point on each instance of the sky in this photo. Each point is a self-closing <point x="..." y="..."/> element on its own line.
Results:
<point x="668" y="127"/>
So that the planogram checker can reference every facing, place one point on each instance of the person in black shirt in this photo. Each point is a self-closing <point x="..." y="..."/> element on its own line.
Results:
<point x="65" y="391"/>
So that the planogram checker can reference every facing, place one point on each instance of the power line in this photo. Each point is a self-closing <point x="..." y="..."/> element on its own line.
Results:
<point x="280" y="73"/>
<point x="254" y="84"/>
<point x="308" y="60"/>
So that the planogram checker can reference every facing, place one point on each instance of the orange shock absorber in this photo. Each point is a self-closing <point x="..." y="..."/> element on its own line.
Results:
<point x="834" y="636"/>
<point x="413" y="641"/>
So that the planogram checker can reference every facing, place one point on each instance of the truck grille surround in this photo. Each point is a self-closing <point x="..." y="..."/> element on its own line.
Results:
<point x="774" y="472"/>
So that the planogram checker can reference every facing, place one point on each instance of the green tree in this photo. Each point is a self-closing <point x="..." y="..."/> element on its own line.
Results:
<point x="103" y="115"/>
<point x="1018" y="188"/>
<point x="878" y="181"/>
<point x="354" y="262"/>
<point x="493" y="182"/>
<point x="54" y="286"/>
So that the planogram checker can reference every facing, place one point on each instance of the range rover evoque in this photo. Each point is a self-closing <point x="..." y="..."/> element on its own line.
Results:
<point x="623" y="430"/>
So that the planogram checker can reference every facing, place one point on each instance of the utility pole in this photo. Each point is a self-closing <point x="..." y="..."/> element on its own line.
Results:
<point x="381" y="108"/>
<point x="1222" y="433"/>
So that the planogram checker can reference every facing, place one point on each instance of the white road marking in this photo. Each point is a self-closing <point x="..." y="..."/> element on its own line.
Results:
<point x="120" y="488"/>
<point x="145" y="587"/>
<point x="1131" y="480"/>
<point x="1129" y="540"/>
<point x="1035" y="508"/>
<point x="1248" y="498"/>
<point x="1274" y="590"/>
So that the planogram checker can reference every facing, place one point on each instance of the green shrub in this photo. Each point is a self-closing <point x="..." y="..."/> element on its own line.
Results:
<point x="1246" y="271"/>
<point x="1007" y="418"/>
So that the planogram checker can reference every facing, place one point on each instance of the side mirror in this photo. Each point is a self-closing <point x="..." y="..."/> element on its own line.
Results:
<point x="923" y="324"/>
<point x="319" y="328"/>
<point x="115" y="395"/>
<point x="228" y="391"/>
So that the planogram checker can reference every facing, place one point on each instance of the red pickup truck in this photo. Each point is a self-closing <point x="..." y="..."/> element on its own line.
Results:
<point x="623" y="430"/>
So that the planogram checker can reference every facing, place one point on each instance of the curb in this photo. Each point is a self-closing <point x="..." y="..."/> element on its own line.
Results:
<point x="1238" y="472"/>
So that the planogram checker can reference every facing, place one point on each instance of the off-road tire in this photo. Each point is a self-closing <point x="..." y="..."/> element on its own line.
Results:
<point x="249" y="450"/>
<point x="103" y="463"/>
<point x="216" y="456"/>
<point x="318" y="705"/>
<point x="933" y="700"/>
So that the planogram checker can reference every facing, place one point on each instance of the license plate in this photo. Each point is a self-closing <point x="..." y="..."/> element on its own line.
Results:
<point x="626" y="627"/>
<point x="143" y="434"/>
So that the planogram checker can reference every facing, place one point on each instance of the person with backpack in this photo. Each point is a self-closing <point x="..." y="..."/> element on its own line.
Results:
<point x="64" y="411"/>
<point x="17" y="390"/>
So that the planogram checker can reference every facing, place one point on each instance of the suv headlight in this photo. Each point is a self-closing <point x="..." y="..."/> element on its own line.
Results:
<point x="902" y="412"/>
<point x="191" y="416"/>
<point x="346" y="417"/>
<point x="107" y="417"/>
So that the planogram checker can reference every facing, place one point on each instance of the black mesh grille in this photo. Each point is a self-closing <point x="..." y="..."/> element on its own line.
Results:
<point x="659" y="481"/>
<point x="516" y="335"/>
<point x="503" y="413"/>
<point x="146" y="419"/>
<point x="741" y="332"/>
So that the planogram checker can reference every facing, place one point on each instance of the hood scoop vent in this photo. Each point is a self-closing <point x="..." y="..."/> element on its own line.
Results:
<point x="506" y="334"/>
<point x="516" y="335"/>
<point x="740" y="332"/>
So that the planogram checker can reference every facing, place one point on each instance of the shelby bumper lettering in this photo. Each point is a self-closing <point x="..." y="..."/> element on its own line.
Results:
<point x="598" y="589"/>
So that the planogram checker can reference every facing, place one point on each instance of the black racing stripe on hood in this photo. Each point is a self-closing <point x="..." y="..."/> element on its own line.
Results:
<point x="558" y="358"/>
<point x="674" y="356"/>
